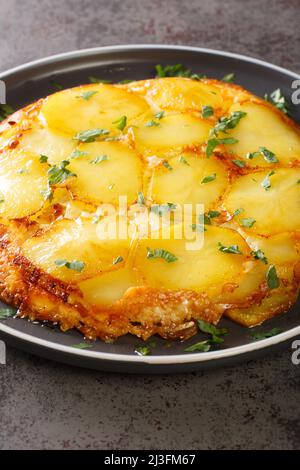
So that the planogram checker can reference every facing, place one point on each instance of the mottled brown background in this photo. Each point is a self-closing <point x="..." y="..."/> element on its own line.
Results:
<point x="47" y="405"/>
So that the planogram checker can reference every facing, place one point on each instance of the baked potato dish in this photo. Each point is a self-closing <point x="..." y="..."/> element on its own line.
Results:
<point x="99" y="155"/>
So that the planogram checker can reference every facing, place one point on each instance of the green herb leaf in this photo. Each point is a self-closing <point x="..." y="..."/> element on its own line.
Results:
<point x="6" y="312"/>
<point x="239" y="163"/>
<point x="272" y="278"/>
<point x="82" y="346"/>
<point x="142" y="350"/>
<point x="5" y="111"/>
<point x="207" y="111"/>
<point x="167" y="165"/>
<point x="141" y="198"/>
<point x="214" y="142"/>
<point x="43" y="158"/>
<point x="121" y="123"/>
<point x="98" y="80"/>
<point x="90" y="135"/>
<point x="248" y="222"/>
<point x="59" y="173"/>
<point x="118" y="260"/>
<point x="209" y="178"/>
<point x="88" y="94"/>
<point x="266" y="183"/>
<point x="159" y="115"/>
<point x="177" y="70"/>
<point x="229" y="77"/>
<point x="258" y="336"/>
<point x="56" y="85"/>
<point x="238" y="211"/>
<point x="47" y="194"/>
<point x="152" y="123"/>
<point x="77" y="154"/>
<point x="161" y="253"/>
<point x="212" y="330"/>
<point x="230" y="122"/>
<point x="232" y="249"/>
<point x="99" y="159"/>
<point x="268" y="155"/>
<point x="259" y="254"/>
<point x="183" y="160"/>
<point x="75" y="265"/>
<point x="202" y="346"/>
<point x="251" y="155"/>
<point x="279" y="100"/>
<point x="125" y="81"/>
<point x="213" y="214"/>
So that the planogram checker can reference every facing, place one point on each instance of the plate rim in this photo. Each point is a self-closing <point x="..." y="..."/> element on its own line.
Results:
<point x="151" y="359"/>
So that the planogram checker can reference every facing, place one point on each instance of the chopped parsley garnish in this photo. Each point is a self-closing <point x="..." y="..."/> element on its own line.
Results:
<point x="183" y="160"/>
<point x="198" y="228"/>
<point x="259" y="254"/>
<point x="238" y="211"/>
<point x="118" y="259"/>
<point x="98" y="80"/>
<point x="161" y="253"/>
<point x="161" y="209"/>
<point x="167" y="165"/>
<point x="177" y="70"/>
<point x="266" y="183"/>
<point x="159" y="115"/>
<point x="142" y="350"/>
<point x="258" y="336"/>
<point x="88" y="94"/>
<point x="56" y="85"/>
<point x="121" y="123"/>
<point x="212" y="330"/>
<point x="43" y="158"/>
<point x="75" y="265"/>
<point x="232" y="249"/>
<point x="141" y="198"/>
<point x="125" y="81"/>
<point x="248" y="222"/>
<point x="7" y="312"/>
<point x="214" y="142"/>
<point x="298" y="182"/>
<point x="239" y="163"/>
<point x="59" y="173"/>
<point x="202" y="346"/>
<point x="90" y="135"/>
<point x="229" y="77"/>
<point x="279" y="100"/>
<point x="5" y="111"/>
<point x="207" y="111"/>
<point x="230" y="122"/>
<point x="23" y="171"/>
<point x="269" y="156"/>
<point x="77" y="154"/>
<point x="2" y="198"/>
<point x="152" y="123"/>
<point x="272" y="278"/>
<point x="47" y="194"/>
<point x="99" y="159"/>
<point x="213" y="214"/>
<point x="209" y="178"/>
<point x="82" y="346"/>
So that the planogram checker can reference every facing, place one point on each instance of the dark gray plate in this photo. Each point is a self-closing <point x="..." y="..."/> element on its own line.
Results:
<point x="34" y="80"/>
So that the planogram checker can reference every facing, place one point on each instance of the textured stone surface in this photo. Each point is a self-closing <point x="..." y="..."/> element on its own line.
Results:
<point x="48" y="405"/>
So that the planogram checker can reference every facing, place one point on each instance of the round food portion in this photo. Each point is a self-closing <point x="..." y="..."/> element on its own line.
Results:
<point x="144" y="207"/>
